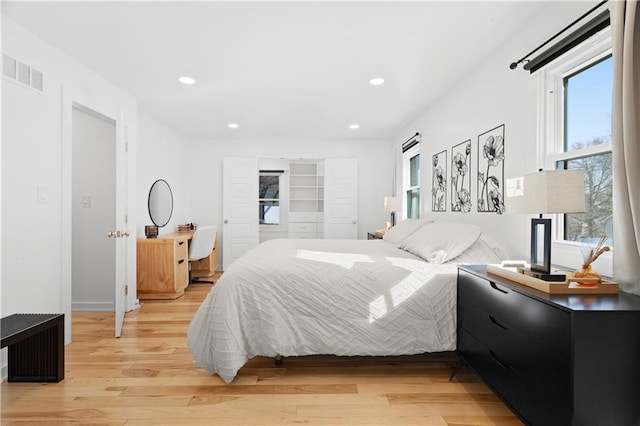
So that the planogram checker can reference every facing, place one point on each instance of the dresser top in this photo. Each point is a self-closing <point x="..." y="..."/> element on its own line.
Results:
<point x="574" y="302"/>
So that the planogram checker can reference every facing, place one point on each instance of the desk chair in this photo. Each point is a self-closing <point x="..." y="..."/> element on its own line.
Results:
<point x="201" y="246"/>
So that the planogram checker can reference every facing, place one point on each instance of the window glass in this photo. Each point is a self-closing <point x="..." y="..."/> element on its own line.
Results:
<point x="596" y="221"/>
<point x="587" y="125"/>
<point x="269" y="199"/>
<point x="588" y="97"/>
<point x="414" y="170"/>
<point x="413" y="203"/>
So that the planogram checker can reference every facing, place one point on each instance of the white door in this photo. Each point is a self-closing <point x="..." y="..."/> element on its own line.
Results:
<point x="341" y="198"/>
<point x="122" y="225"/>
<point x="239" y="208"/>
<point x="98" y="214"/>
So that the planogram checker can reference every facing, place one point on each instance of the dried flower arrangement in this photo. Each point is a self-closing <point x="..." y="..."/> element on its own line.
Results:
<point x="589" y="258"/>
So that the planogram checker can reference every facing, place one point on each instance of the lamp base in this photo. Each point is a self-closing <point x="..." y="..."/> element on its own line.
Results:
<point x="542" y="275"/>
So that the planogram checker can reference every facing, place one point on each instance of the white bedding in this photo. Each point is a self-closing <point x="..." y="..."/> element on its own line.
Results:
<point x="341" y="297"/>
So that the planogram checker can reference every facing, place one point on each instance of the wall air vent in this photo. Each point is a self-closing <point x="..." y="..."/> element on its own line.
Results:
<point x="9" y="67"/>
<point x="22" y="73"/>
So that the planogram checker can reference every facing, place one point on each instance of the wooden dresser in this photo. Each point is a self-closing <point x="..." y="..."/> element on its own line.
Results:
<point x="163" y="266"/>
<point x="554" y="359"/>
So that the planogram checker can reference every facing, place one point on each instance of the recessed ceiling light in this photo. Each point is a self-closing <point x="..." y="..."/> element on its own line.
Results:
<point x="377" y="81"/>
<point x="354" y="126"/>
<point x="233" y="125"/>
<point x="186" y="80"/>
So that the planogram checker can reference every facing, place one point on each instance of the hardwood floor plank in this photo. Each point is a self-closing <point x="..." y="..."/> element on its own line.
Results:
<point x="147" y="377"/>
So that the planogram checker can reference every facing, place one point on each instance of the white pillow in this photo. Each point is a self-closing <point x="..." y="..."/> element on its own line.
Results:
<point x="440" y="242"/>
<point x="403" y="229"/>
<point x="483" y="251"/>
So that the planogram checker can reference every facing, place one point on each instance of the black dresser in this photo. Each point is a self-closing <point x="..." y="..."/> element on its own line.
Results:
<point x="553" y="359"/>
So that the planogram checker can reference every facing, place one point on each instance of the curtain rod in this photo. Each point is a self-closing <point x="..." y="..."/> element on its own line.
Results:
<point x="514" y="65"/>
<point x="410" y="143"/>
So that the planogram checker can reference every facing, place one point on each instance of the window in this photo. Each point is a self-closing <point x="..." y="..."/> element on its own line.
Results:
<point x="411" y="176"/>
<point x="269" y="197"/>
<point x="577" y="124"/>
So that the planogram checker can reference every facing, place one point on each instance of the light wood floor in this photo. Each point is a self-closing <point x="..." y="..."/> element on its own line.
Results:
<point x="146" y="377"/>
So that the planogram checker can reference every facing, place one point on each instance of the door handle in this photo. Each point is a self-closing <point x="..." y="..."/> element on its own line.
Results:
<point x="226" y="221"/>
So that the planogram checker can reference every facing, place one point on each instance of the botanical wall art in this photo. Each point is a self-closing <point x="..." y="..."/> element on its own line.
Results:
<point x="461" y="177"/>
<point x="439" y="182"/>
<point x="491" y="171"/>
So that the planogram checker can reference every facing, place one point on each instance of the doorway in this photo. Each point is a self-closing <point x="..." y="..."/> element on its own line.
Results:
<point x="93" y="211"/>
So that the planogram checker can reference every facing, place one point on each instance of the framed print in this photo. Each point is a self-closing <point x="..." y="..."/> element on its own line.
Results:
<point x="491" y="171"/>
<point x="461" y="177"/>
<point x="439" y="182"/>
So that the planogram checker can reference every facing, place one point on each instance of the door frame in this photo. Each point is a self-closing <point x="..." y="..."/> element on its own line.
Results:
<point x="125" y="127"/>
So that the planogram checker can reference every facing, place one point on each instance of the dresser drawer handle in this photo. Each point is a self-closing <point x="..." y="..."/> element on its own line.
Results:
<point x="495" y="287"/>
<point x="180" y="243"/>
<point x="180" y="262"/>
<point x="496" y="322"/>
<point x="497" y="361"/>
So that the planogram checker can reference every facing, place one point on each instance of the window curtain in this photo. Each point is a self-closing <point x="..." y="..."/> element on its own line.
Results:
<point x="625" y="26"/>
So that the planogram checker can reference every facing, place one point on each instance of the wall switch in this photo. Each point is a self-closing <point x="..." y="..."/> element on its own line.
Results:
<point x="42" y="194"/>
<point x="86" y="201"/>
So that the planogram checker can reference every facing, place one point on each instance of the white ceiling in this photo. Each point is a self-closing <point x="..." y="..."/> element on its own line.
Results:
<point x="279" y="69"/>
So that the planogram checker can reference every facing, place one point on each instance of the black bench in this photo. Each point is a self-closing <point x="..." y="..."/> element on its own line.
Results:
<point x="36" y="347"/>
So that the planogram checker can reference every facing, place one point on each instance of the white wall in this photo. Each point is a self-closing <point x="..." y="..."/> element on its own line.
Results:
<point x="164" y="154"/>
<point x="375" y="167"/>
<point x="36" y="153"/>
<point x="489" y="96"/>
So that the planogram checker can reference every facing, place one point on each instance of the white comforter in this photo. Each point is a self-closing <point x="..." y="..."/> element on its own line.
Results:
<point x="341" y="297"/>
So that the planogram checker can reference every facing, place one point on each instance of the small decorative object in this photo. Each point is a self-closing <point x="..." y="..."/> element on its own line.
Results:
<point x="186" y="227"/>
<point x="151" y="231"/>
<point x="592" y="278"/>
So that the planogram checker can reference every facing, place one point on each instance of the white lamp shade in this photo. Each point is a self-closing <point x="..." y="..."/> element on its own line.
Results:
<point x="392" y="204"/>
<point x="548" y="191"/>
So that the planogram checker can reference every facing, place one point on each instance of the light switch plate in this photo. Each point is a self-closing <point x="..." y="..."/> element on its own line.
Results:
<point x="86" y="201"/>
<point x="42" y="194"/>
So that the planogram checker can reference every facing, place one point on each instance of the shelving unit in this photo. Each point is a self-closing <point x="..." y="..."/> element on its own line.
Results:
<point x="306" y="205"/>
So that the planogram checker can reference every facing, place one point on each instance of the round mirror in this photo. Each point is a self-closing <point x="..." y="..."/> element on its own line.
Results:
<point x="160" y="203"/>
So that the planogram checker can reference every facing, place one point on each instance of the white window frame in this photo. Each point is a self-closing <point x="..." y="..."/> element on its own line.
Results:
<point x="551" y="135"/>
<point x="406" y="178"/>
<point x="279" y="199"/>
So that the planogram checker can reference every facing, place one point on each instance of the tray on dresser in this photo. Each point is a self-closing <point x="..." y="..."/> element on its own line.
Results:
<point x="569" y="286"/>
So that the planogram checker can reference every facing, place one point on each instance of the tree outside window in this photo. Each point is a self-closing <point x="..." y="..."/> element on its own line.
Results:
<point x="269" y="198"/>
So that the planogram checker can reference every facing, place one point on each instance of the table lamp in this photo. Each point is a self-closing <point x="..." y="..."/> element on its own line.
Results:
<point x="392" y="205"/>
<point x="545" y="192"/>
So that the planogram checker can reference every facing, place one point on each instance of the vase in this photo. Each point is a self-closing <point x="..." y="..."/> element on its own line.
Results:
<point x="586" y="272"/>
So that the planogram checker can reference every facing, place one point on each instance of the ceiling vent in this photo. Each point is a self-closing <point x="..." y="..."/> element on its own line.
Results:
<point x="22" y="73"/>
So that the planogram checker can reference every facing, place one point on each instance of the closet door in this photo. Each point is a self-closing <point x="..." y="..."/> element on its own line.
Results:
<point x="341" y="198"/>
<point x="239" y="208"/>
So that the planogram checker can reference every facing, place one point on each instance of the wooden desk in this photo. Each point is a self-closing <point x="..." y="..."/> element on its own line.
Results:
<point x="163" y="265"/>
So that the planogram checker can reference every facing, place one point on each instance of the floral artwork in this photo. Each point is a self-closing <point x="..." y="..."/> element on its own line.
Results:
<point x="461" y="177"/>
<point x="439" y="183"/>
<point x="491" y="171"/>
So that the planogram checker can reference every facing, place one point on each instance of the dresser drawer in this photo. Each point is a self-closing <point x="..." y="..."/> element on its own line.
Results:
<point x="506" y="382"/>
<point x="302" y="227"/>
<point x="526" y="357"/>
<point x="303" y="235"/>
<point x="302" y="217"/>
<point x="548" y="326"/>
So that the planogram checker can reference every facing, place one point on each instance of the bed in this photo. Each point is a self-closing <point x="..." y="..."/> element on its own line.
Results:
<point x="293" y="297"/>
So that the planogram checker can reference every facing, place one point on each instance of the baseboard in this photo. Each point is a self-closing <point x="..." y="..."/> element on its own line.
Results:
<point x="93" y="306"/>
